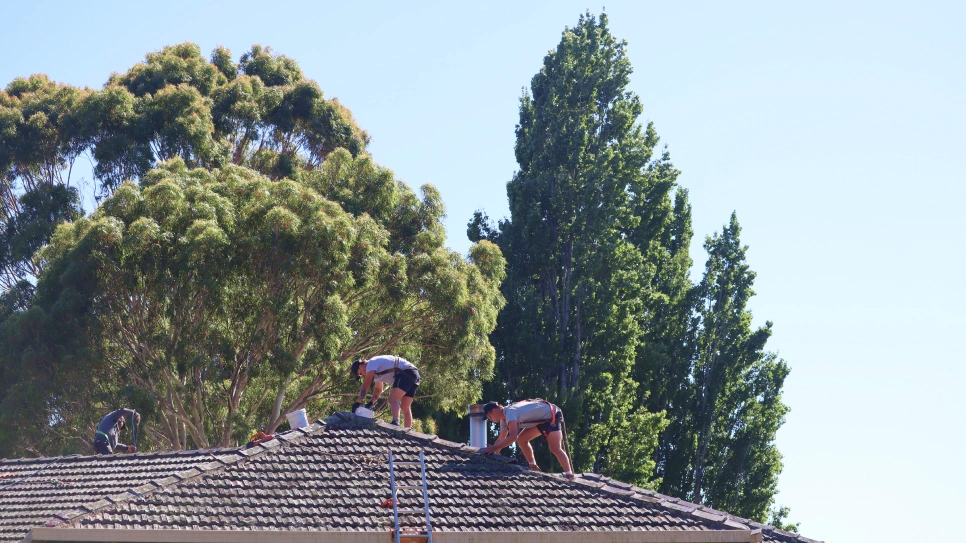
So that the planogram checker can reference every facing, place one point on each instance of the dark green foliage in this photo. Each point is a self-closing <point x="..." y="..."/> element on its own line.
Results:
<point x="576" y="281"/>
<point x="41" y="210"/>
<point x="779" y="518"/>
<point x="737" y="403"/>
<point x="663" y="382"/>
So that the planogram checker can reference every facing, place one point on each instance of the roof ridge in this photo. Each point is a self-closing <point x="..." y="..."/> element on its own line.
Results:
<point x="342" y="416"/>
<point x="607" y="484"/>
<point x="215" y="465"/>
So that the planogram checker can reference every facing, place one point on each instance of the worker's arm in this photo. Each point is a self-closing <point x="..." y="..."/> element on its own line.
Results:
<point x="135" y="416"/>
<point x="503" y="433"/>
<point x="121" y="413"/>
<point x="366" y="383"/>
<point x="506" y="438"/>
<point x="376" y="391"/>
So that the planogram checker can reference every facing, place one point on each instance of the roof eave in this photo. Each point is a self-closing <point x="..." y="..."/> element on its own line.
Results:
<point x="121" y="535"/>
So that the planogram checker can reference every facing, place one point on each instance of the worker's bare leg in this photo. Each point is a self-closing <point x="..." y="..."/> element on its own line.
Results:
<point x="395" y="402"/>
<point x="523" y="441"/>
<point x="407" y="410"/>
<point x="555" y="440"/>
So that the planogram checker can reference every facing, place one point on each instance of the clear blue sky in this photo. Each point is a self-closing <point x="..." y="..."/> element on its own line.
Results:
<point x="834" y="129"/>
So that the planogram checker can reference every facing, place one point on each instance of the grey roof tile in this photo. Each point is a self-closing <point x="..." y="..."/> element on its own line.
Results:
<point x="333" y="475"/>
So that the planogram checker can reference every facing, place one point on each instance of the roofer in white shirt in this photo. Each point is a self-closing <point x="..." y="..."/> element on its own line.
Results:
<point x="522" y="421"/>
<point x="385" y="369"/>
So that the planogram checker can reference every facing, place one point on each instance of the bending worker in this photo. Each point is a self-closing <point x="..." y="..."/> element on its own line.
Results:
<point x="393" y="370"/>
<point x="105" y="438"/>
<point x="520" y="422"/>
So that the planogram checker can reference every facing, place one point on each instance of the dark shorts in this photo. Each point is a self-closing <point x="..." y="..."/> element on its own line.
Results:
<point x="407" y="380"/>
<point x="101" y="446"/>
<point x="547" y="428"/>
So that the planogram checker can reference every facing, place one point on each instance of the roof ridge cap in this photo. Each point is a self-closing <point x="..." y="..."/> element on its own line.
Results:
<point x="212" y="466"/>
<point x="431" y="439"/>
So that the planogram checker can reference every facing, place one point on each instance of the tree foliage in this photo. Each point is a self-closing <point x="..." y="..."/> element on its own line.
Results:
<point x="722" y="391"/>
<point x="577" y="282"/>
<point x="663" y="381"/>
<point x="260" y="112"/>
<point x="245" y="250"/>
<point x="737" y="388"/>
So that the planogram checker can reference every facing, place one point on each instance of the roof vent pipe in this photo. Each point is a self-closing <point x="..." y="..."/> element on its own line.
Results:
<point x="477" y="426"/>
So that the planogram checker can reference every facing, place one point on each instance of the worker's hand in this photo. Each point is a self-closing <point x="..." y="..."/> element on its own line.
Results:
<point x="131" y="449"/>
<point x="137" y="417"/>
<point x="355" y="406"/>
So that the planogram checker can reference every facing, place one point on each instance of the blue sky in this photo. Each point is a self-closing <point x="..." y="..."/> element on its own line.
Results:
<point x="834" y="129"/>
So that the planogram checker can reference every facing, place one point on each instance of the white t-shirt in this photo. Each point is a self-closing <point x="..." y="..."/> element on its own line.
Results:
<point x="387" y="365"/>
<point x="527" y="414"/>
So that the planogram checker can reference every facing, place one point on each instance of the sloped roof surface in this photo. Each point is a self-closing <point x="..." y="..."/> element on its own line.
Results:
<point x="32" y="491"/>
<point x="333" y="476"/>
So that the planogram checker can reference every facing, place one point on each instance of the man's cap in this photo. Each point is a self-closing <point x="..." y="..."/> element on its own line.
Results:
<point x="490" y="406"/>
<point x="354" y="370"/>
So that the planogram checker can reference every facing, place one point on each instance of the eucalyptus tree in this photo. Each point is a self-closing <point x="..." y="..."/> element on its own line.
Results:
<point x="227" y="300"/>
<point x="244" y="249"/>
<point x="41" y="138"/>
<point x="260" y="112"/>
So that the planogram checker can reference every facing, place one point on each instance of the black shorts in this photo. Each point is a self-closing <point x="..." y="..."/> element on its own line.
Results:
<point x="407" y="380"/>
<point x="101" y="446"/>
<point x="547" y="428"/>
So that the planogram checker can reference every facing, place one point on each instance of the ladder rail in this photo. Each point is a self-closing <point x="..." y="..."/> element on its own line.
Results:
<point x="394" y="489"/>
<point x="429" y="522"/>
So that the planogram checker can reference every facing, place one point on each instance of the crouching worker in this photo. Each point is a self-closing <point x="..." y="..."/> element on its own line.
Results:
<point x="396" y="371"/>
<point x="520" y="422"/>
<point x="105" y="438"/>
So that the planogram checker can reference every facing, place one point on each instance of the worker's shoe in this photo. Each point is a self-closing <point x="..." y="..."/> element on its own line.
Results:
<point x="569" y="476"/>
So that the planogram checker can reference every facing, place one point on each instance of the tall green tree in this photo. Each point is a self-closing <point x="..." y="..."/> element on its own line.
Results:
<point x="725" y="453"/>
<point x="665" y="358"/>
<point x="246" y="248"/>
<point x="663" y="381"/>
<point x="588" y="184"/>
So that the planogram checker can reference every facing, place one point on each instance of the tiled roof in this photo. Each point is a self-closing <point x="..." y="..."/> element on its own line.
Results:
<point x="334" y="476"/>
<point x="33" y="491"/>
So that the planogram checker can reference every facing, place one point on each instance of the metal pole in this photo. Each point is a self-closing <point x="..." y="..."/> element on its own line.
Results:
<point x="392" y="488"/>
<point x="429" y="523"/>
<point x="134" y="426"/>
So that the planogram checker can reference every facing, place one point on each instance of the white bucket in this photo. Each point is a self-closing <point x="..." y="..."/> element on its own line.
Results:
<point x="297" y="419"/>
<point x="365" y="412"/>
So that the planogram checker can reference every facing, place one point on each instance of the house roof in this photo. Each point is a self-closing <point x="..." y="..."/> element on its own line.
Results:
<point x="332" y="476"/>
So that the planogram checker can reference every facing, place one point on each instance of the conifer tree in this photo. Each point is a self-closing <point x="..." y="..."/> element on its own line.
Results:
<point x="588" y="187"/>
<point x="725" y="453"/>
